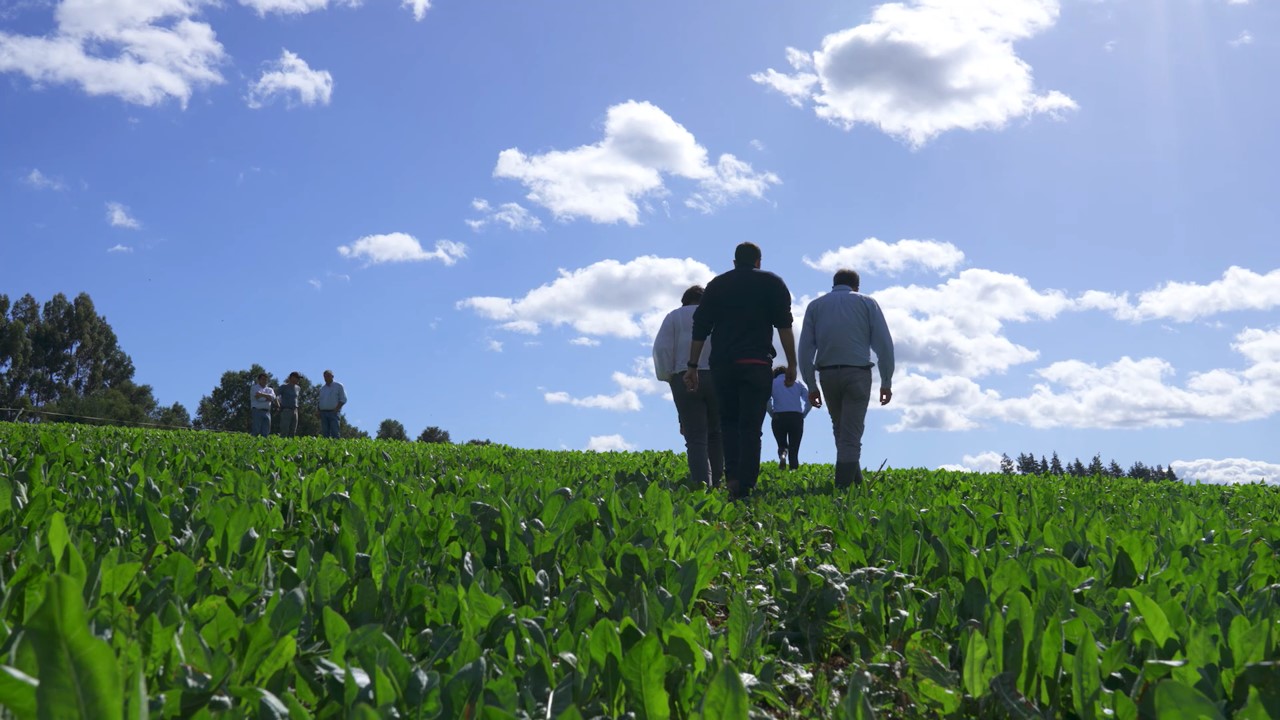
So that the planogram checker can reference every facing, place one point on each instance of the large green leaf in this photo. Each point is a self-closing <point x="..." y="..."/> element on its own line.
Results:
<point x="78" y="673"/>
<point x="644" y="671"/>
<point x="1175" y="701"/>
<point x="726" y="696"/>
<point x="18" y="692"/>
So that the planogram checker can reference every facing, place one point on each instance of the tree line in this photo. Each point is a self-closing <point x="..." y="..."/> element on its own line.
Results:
<point x="61" y="361"/>
<point x="1026" y="464"/>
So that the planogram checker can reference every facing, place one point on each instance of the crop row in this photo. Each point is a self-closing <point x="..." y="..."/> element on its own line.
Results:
<point x="207" y="575"/>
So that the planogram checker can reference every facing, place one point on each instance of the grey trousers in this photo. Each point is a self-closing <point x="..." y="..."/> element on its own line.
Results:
<point x="261" y="422"/>
<point x="289" y="422"/>
<point x="329" y="425"/>
<point x="700" y="424"/>
<point x="847" y="392"/>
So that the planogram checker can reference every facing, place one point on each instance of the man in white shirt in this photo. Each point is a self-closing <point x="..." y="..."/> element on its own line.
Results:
<point x="261" y="398"/>
<point x="699" y="410"/>
<point x="332" y="397"/>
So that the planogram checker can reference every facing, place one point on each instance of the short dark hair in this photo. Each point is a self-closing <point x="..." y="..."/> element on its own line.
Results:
<point x="295" y="374"/>
<point x="747" y="254"/>
<point x="779" y="370"/>
<point x="261" y="375"/>
<point x="692" y="296"/>
<point x="845" y="276"/>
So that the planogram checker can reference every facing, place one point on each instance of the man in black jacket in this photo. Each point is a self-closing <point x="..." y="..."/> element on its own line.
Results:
<point x="739" y="310"/>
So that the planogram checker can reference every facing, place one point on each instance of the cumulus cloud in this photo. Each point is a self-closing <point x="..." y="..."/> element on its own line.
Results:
<point x="608" y="298"/>
<point x="292" y="79"/>
<point x="1127" y="393"/>
<point x="285" y="7"/>
<point x="418" y="7"/>
<point x="605" y="182"/>
<point x="142" y="52"/>
<point x="1231" y="471"/>
<point x="987" y="462"/>
<point x="918" y="69"/>
<point x="631" y="386"/>
<point x="513" y="215"/>
<point x="891" y="258"/>
<point x="609" y="443"/>
<point x="118" y="216"/>
<point x="119" y="249"/>
<point x="401" y="247"/>
<point x="1238" y="289"/>
<point x="40" y="181"/>
<point x="585" y="342"/>
<point x="957" y="327"/>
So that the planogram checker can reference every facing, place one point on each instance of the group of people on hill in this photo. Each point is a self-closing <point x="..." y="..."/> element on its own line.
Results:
<point x="716" y="351"/>
<point x="263" y="399"/>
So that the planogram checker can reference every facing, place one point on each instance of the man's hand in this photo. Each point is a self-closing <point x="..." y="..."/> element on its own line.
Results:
<point x="885" y="396"/>
<point x="815" y="398"/>
<point x="791" y="374"/>
<point x="691" y="380"/>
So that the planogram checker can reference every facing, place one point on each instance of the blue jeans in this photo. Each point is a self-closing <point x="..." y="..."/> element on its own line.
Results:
<point x="329" y="423"/>
<point x="700" y="424"/>
<point x="743" y="391"/>
<point x="261" y="422"/>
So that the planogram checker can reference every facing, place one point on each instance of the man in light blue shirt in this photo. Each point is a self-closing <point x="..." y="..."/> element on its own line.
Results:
<point x="840" y="330"/>
<point x="332" y="397"/>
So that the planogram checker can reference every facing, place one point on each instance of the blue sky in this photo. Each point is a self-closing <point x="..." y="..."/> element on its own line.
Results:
<point x="477" y="213"/>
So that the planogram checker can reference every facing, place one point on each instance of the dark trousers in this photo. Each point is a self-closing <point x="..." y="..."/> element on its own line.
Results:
<point x="744" y="392"/>
<point x="788" y="428"/>
<point x="700" y="425"/>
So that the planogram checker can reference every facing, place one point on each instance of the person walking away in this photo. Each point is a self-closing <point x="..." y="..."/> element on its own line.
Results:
<point x="332" y="397"/>
<point x="840" y="330"/>
<point x="788" y="407"/>
<point x="261" y="398"/>
<point x="698" y="410"/>
<point x="288" y="397"/>
<point x="739" y="311"/>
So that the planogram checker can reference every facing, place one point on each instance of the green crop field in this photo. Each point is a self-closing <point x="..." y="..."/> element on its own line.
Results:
<point x="196" y="575"/>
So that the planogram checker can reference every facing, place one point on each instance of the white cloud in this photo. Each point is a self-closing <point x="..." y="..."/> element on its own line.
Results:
<point x="732" y="179"/>
<point x="419" y="8"/>
<point x="606" y="181"/>
<point x="609" y="443"/>
<point x="513" y="215"/>
<point x="639" y="381"/>
<point x="40" y="181"/>
<point x="1127" y="393"/>
<point x="892" y="258"/>
<point x="401" y="247"/>
<point x="285" y="7"/>
<point x="1230" y="471"/>
<point x="291" y="78"/>
<point x="119" y="249"/>
<point x="606" y="298"/>
<point x="1239" y="289"/>
<point x="622" y="401"/>
<point x="315" y="283"/>
<point x="143" y="51"/>
<point x="920" y="68"/>
<point x="118" y="216"/>
<point x="585" y="342"/>
<point x="957" y="328"/>
<point x="1244" y="38"/>
<point x="494" y="346"/>
<point x="987" y="462"/>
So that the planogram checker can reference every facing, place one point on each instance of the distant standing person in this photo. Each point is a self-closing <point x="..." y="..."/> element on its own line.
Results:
<point x="261" y="398"/>
<point x="840" y="330"/>
<point x="288" y="396"/>
<point x="788" y="406"/>
<point x="332" y="397"/>
<point x="739" y="310"/>
<point x="698" y="410"/>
